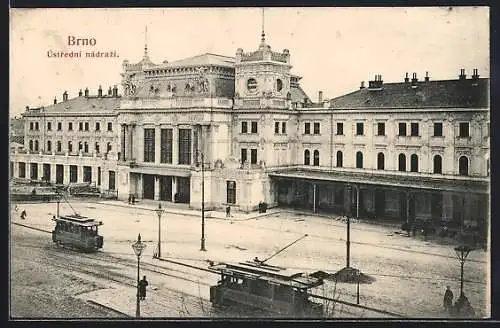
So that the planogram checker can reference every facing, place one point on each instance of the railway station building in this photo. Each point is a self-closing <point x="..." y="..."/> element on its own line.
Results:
<point x="413" y="149"/>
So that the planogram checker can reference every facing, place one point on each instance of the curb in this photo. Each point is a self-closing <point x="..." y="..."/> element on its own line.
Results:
<point x="108" y="308"/>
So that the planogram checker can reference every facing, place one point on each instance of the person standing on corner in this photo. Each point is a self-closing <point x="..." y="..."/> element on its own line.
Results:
<point x="448" y="299"/>
<point x="142" y="288"/>
<point x="228" y="211"/>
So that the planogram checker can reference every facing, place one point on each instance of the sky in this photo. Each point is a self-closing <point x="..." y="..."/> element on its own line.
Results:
<point x="333" y="49"/>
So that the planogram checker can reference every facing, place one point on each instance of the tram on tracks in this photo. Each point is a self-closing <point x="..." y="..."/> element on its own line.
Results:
<point x="77" y="232"/>
<point x="267" y="288"/>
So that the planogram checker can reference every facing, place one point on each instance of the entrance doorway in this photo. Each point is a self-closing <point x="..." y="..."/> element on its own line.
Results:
<point x="46" y="172"/>
<point x="183" y="190"/>
<point x="59" y="174"/>
<point x="148" y="186"/>
<point x="166" y="188"/>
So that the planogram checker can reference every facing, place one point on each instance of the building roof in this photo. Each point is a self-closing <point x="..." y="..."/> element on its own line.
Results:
<point x="445" y="93"/>
<point x="199" y="60"/>
<point x="85" y="104"/>
<point x="17" y="139"/>
<point x="16" y="126"/>
<point x="298" y="94"/>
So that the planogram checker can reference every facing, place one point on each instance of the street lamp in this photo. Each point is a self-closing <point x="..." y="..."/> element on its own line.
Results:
<point x="138" y="247"/>
<point x="462" y="252"/>
<point x="159" y="211"/>
<point x="202" y="248"/>
<point x="358" y="276"/>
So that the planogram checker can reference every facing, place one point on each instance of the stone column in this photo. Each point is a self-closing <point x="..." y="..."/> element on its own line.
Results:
<point x="139" y="185"/>
<point x="123" y="141"/>
<point x="53" y="173"/>
<point x="94" y="175"/>
<point x="357" y="201"/>
<point x="174" y="187"/>
<point x="15" y="173"/>
<point x="157" y="188"/>
<point x="131" y="130"/>
<point x="66" y="174"/>
<point x="80" y="173"/>
<point x="40" y="170"/>
<point x="157" y="144"/>
<point x="175" y="145"/>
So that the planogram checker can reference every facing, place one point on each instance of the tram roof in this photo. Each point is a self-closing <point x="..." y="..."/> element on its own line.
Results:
<point x="79" y="220"/>
<point x="272" y="274"/>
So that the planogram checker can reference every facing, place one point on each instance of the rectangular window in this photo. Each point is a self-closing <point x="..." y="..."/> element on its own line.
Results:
<point x="253" y="156"/>
<point x="244" y="127"/>
<point x="359" y="129"/>
<point x="149" y="145"/>
<point x="402" y="130"/>
<point x="185" y="146"/>
<point x="70" y="126"/>
<point x="49" y="145"/>
<point x="276" y="127"/>
<point x="254" y="127"/>
<point x="96" y="147"/>
<point x="37" y="126"/>
<point x="438" y="129"/>
<point x="49" y="126"/>
<point x="244" y="157"/>
<point x="70" y="147"/>
<point x="166" y="146"/>
<point x="31" y="125"/>
<point x="97" y="126"/>
<point x="316" y="128"/>
<point x="307" y="128"/>
<point x="59" y="126"/>
<point x="73" y="173"/>
<point x="464" y="130"/>
<point x="59" y="147"/>
<point x="283" y="127"/>
<point x="110" y="126"/>
<point x="22" y="170"/>
<point x="111" y="181"/>
<point x="80" y="126"/>
<point x="381" y="129"/>
<point x="340" y="129"/>
<point x="86" y="126"/>
<point x="414" y="129"/>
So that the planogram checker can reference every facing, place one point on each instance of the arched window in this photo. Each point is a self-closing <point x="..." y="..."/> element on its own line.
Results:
<point x="316" y="158"/>
<point x="402" y="162"/>
<point x="359" y="160"/>
<point x="70" y="146"/>
<point x="59" y="145"/>
<point x="31" y="145"/>
<point x="108" y="147"/>
<point x="463" y="166"/>
<point x="36" y="145"/>
<point x="307" y="157"/>
<point x="438" y="164"/>
<point x="339" y="159"/>
<point x="49" y="145"/>
<point x="380" y="161"/>
<point x="414" y="163"/>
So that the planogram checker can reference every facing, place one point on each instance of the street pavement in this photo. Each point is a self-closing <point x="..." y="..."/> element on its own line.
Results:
<point x="407" y="270"/>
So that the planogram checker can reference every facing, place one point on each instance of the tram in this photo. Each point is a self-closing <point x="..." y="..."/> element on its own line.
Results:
<point x="77" y="232"/>
<point x="270" y="289"/>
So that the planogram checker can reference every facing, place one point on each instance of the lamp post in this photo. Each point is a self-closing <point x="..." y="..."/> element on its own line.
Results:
<point x="159" y="211"/>
<point x="358" y="275"/>
<point x="200" y="154"/>
<point x="348" y="239"/>
<point x="138" y="247"/>
<point x="462" y="252"/>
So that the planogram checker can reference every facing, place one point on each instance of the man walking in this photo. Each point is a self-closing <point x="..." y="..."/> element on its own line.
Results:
<point x="142" y="288"/>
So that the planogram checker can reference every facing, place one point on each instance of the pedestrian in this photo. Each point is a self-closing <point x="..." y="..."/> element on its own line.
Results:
<point x="228" y="211"/>
<point x="133" y="199"/>
<point x="129" y="199"/>
<point x="448" y="299"/>
<point x="23" y="214"/>
<point x="16" y="208"/>
<point x="142" y="288"/>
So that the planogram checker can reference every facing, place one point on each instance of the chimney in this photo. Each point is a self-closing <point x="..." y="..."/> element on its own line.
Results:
<point x="475" y="75"/>
<point x="377" y="83"/>
<point x="462" y="75"/>
<point x="80" y="93"/>
<point x="362" y="86"/>
<point x="86" y="92"/>
<point x="65" y="96"/>
<point x="115" y="91"/>
<point x="414" y="80"/>
<point x="320" y="97"/>
<point x="426" y="76"/>
<point x="55" y="100"/>
<point x="407" y="79"/>
<point x="27" y="107"/>
<point x="109" y="91"/>
<point x="99" y="92"/>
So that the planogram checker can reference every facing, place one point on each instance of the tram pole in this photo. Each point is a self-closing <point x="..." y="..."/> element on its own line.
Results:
<point x="202" y="248"/>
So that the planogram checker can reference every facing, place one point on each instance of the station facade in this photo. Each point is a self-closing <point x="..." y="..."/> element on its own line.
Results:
<point x="415" y="149"/>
